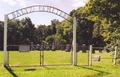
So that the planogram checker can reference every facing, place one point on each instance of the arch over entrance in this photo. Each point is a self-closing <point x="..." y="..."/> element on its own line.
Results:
<point x="38" y="8"/>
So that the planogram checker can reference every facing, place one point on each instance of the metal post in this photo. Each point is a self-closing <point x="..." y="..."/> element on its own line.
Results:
<point x="90" y="55"/>
<point x="7" y="58"/>
<point x="43" y="58"/>
<point x="71" y="57"/>
<point x="115" y="55"/>
<point x="74" y="42"/>
<point x="88" y="58"/>
<point x="40" y="57"/>
<point x="5" y="39"/>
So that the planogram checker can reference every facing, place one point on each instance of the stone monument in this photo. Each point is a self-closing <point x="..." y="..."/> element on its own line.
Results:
<point x="96" y="58"/>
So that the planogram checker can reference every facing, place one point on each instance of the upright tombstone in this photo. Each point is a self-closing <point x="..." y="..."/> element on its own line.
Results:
<point x="47" y="46"/>
<point x="96" y="58"/>
<point x="38" y="47"/>
<point x="93" y="51"/>
<point x="100" y="50"/>
<point x="83" y="48"/>
<point x="67" y="48"/>
<point x="77" y="48"/>
<point x="32" y="47"/>
<point x="107" y="50"/>
<point x="24" y="48"/>
<point x="42" y="47"/>
<point x="53" y="47"/>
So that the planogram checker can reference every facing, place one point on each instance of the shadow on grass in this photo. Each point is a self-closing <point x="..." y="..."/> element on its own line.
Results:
<point x="29" y="69"/>
<point x="101" y="73"/>
<point x="10" y="71"/>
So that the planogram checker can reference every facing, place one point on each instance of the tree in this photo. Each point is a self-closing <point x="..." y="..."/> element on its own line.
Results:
<point x="107" y="12"/>
<point x="41" y="33"/>
<point x="84" y="26"/>
<point x="67" y="31"/>
<point x="1" y="34"/>
<point x="27" y="31"/>
<point x="54" y="22"/>
<point x="13" y="32"/>
<point x="50" y="39"/>
<point x="103" y="9"/>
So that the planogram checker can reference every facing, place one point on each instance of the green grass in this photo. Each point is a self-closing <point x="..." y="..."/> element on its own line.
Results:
<point x="104" y="68"/>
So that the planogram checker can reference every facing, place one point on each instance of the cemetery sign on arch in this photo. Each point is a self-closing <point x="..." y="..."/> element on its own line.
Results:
<point x="38" y="8"/>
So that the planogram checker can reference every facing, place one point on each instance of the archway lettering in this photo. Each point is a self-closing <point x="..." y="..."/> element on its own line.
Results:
<point x="38" y="8"/>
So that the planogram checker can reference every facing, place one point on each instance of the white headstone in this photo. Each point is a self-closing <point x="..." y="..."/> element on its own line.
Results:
<point x="24" y="48"/>
<point x="96" y="58"/>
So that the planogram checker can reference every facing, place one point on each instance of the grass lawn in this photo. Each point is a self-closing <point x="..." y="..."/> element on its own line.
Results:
<point x="104" y="68"/>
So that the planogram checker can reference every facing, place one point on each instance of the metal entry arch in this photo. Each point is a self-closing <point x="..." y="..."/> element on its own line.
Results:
<point x="39" y="8"/>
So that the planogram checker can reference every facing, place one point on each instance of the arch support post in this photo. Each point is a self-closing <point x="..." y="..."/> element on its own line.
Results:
<point x="90" y="55"/>
<point x="115" y="55"/>
<point x="74" y="42"/>
<point x="5" y="39"/>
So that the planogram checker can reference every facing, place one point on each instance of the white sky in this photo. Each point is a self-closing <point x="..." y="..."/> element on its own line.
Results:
<point x="7" y="6"/>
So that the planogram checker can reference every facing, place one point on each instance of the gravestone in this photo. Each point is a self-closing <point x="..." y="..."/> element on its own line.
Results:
<point x="77" y="48"/>
<point x="47" y="47"/>
<point x="107" y="50"/>
<point x="67" y="48"/>
<point x="32" y="47"/>
<point x="24" y="48"/>
<point x="100" y="50"/>
<point x="38" y="47"/>
<point x="53" y="47"/>
<point x="42" y="47"/>
<point x="96" y="58"/>
<point x="83" y="48"/>
<point x="93" y="51"/>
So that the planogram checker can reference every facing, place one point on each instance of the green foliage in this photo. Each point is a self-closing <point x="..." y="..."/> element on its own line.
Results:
<point x="106" y="15"/>
<point x="103" y="9"/>
<point x="84" y="27"/>
<point x="50" y="39"/>
<point x="20" y="32"/>
<point x="1" y="34"/>
<point x="54" y="22"/>
<point x="41" y="33"/>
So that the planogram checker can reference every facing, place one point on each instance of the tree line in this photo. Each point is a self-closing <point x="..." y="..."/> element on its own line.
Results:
<point x="97" y="24"/>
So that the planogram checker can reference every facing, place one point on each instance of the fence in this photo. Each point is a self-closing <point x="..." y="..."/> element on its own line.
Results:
<point x="102" y="53"/>
<point x="88" y="52"/>
<point x="38" y="55"/>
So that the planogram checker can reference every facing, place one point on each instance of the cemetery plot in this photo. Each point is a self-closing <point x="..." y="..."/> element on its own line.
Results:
<point x="57" y="54"/>
<point x="16" y="57"/>
<point x="38" y="55"/>
<point x="101" y="55"/>
<point x="83" y="55"/>
<point x="57" y="57"/>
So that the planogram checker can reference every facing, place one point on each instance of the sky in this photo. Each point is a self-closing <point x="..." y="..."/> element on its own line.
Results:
<point x="39" y="18"/>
